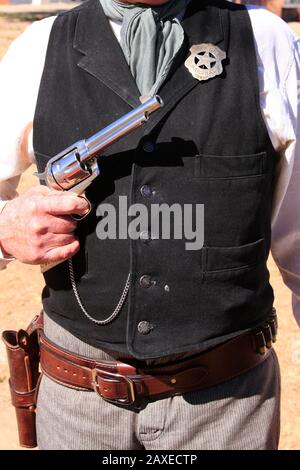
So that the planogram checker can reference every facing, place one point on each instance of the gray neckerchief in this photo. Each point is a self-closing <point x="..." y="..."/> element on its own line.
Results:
<point x="151" y="37"/>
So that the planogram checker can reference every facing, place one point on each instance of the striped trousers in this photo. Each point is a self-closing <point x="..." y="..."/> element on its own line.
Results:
<point x="240" y="414"/>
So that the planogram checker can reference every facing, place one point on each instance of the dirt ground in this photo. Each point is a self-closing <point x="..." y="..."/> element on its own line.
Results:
<point x="20" y="287"/>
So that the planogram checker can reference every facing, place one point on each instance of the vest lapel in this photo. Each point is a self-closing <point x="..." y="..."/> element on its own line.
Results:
<point x="103" y="58"/>
<point x="202" y="23"/>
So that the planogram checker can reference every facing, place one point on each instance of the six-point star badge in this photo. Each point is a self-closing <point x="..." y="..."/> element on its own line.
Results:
<point x="205" y="61"/>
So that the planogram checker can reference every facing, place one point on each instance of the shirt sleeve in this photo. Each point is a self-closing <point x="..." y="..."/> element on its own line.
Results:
<point x="277" y="49"/>
<point x="20" y="74"/>
<point x="286" y="214"/>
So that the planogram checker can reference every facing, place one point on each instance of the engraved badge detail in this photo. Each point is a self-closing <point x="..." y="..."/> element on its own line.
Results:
<point x="205" y="61"/>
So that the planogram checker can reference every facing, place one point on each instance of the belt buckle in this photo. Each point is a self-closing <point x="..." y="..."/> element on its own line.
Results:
<point x="110" y="376"/>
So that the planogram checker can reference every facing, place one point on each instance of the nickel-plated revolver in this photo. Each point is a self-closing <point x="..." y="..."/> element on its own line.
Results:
<point x="76" y="167"/>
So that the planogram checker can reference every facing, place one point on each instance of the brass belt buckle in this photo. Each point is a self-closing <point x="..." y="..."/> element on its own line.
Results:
<point x="112" y="377"/>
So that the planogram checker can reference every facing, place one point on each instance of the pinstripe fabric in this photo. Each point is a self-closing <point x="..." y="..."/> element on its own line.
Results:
<point x="242" y="413"/>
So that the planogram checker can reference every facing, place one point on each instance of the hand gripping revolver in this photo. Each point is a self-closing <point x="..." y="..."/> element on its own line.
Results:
<point x="76" y="167"/>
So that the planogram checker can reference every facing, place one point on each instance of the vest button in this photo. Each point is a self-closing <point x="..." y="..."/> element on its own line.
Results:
<point x="144" y="327"/>
<point x="146" y="281"/>
<point x="146" y="191"/>
<point x="148" y="146"/>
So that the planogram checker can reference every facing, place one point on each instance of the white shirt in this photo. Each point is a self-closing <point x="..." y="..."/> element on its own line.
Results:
<point x="278" y="58"/>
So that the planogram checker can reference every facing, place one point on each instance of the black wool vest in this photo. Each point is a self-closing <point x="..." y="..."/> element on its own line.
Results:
<point x="208" y="145"/>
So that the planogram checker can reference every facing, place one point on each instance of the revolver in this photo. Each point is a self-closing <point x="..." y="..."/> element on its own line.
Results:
<point x="76" y="167"/>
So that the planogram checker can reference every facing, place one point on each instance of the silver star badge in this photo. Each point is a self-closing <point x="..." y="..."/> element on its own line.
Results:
<point x="205" y="61"/>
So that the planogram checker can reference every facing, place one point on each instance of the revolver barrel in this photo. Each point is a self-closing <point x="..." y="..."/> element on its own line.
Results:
<point x="123" y="126"/>
<point x="75" y="167"/>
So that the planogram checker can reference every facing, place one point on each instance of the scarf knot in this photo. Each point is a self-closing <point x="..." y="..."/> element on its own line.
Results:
<point x="151" y="37"/>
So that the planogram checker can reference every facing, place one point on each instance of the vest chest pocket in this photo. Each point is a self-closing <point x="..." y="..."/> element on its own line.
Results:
<point x="217" y="260"/>
<point x="224" y="167"/>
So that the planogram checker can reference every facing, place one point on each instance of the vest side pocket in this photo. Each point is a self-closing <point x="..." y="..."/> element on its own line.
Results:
<point x="238" y="166"/>
<point x="218" y="260"/>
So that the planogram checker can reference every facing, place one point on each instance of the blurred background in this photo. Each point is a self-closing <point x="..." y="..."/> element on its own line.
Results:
<point x="20" y="285"/>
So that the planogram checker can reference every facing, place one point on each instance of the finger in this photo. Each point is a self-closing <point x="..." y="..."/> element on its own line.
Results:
<point x="62" y="253"/>
<point x="78" y="217"/>
<point x="61" y="224"/>
<point x="56" y="241"/>
<point x="89" y="205"/>
<point x="64" y="205"/>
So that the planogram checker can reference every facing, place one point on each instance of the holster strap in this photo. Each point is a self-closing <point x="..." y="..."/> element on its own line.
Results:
<point x="23" y="399"/>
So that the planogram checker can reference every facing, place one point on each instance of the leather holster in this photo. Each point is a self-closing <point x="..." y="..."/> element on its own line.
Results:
<point x="23" y="354"/>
